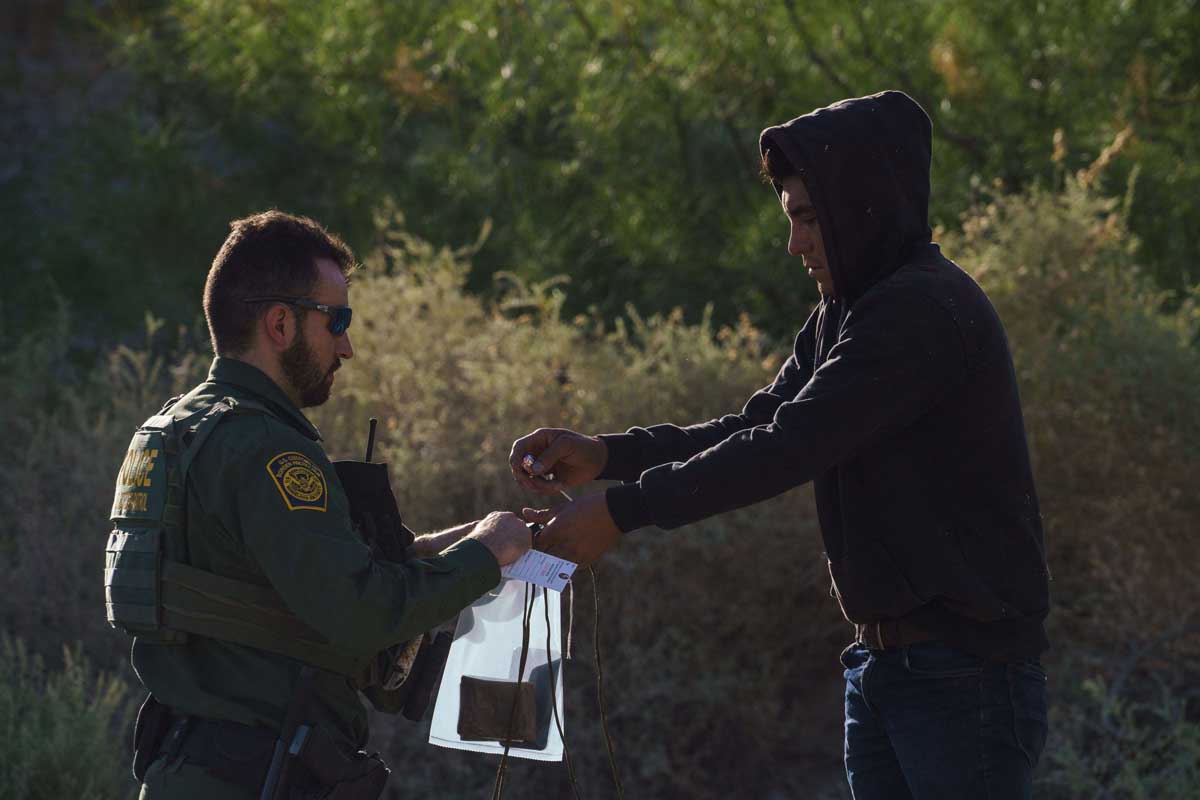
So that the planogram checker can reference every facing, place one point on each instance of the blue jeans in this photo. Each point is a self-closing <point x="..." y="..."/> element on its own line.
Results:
<point x="928" y="721"/>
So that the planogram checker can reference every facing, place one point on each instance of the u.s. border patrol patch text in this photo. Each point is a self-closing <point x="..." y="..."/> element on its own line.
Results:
<point x="300" y="482"/>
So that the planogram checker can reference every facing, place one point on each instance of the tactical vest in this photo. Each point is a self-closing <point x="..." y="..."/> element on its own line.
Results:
<point x="152" y="593"/>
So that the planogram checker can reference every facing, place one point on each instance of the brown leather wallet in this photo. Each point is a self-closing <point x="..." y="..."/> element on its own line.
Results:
<point x="496" y="711"/>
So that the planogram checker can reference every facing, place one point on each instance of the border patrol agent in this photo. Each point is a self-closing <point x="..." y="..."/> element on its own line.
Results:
<point x="262" y="601"/>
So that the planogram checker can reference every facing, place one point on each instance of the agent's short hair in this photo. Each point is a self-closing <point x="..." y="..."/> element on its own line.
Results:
<point x="775" y="167"/>
<point x="271" y="253"/>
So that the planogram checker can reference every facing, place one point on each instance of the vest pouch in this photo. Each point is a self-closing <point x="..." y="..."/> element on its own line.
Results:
<point x="134" y="553"/>
<point x="133" y="562"/>
<point x="132" y="569"/>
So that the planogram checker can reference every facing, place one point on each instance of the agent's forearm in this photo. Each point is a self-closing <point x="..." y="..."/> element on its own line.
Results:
<point x="430" y="544"/>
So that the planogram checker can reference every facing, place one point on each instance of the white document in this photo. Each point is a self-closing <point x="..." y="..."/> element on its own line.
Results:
<point x="541" y="569"/>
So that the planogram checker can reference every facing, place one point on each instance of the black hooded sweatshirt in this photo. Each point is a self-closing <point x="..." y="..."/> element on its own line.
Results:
<point x="899" y="403"/>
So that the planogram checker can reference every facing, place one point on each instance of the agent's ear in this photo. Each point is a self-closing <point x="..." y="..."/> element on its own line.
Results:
<point x="279" y="326"/>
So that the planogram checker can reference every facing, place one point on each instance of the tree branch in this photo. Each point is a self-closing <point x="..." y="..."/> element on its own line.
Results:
<point x="908" y="84"/>
<point x="823" y="65"/>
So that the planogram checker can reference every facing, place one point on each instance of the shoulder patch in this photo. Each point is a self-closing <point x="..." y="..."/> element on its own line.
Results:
<point x="300" y="482"/>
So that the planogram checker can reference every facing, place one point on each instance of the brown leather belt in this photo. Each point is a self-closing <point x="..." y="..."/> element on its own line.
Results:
<point x="891" y="633"/>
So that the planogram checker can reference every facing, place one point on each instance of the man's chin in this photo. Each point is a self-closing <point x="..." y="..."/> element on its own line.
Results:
<point x="318" y="394"/>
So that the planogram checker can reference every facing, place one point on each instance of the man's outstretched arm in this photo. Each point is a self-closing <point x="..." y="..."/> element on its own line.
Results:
<point x="891" y="365"/>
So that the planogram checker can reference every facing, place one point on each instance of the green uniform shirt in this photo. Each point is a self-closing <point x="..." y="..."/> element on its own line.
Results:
<point x="264" y="505"/>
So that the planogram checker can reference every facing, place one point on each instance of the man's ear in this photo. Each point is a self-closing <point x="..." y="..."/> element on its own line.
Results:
<point x="279" y="326"/>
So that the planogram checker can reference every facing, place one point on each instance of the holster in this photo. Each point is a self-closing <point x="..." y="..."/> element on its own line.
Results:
<point x="336" y="775"/>
<point x="153" y="722"/>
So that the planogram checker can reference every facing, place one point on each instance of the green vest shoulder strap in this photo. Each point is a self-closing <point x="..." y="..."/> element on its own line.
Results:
<point x="150" y="589"/>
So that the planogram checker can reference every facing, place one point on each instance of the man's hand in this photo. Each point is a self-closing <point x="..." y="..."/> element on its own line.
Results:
<point x="581" y="531"/>
<point x="505" y="534"/>
<point x="573" y="459"/>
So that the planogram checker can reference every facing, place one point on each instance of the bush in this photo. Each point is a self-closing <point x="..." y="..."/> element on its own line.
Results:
<point x="1108" y="378"/>
<point x="64" y="428"/>
<point x="58" y="729"/>
<point x="1109" y="384"/>
<point x="1117" y="741"/>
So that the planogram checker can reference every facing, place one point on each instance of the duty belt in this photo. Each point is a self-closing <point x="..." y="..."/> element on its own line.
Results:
<point x="241" y="755"/>
<point x="241" y="758"/>
<point x="890" y="633"/>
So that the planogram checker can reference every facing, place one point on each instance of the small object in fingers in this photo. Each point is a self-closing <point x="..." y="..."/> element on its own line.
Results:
<point x="534" y="528"/>
<point x="527" y="461"/>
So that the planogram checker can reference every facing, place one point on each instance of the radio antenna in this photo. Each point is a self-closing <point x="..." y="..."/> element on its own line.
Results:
<point x="371" y="439"/>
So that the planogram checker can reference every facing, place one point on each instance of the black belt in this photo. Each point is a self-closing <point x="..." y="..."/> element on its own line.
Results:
<point x="231" y="752"/>
<point x="891" y="633"/>
<point x="241" y="755"/>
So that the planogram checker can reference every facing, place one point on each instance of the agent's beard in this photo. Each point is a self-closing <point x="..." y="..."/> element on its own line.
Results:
<point x="312" y="381"/>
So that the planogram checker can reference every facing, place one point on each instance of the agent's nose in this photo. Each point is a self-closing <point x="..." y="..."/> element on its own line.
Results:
<point x="345" y="349"/>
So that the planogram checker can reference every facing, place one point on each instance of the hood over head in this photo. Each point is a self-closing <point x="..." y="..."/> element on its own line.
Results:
<point x="865" y="162"/>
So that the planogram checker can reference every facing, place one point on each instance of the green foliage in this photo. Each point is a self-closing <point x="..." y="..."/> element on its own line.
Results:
<point x="1125" y="745"/>
<point x="61" y="733"/>
<point x="614" y="142"/>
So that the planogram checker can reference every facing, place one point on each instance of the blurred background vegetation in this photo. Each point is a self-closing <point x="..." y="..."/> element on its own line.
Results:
<point x="557" y="207"/>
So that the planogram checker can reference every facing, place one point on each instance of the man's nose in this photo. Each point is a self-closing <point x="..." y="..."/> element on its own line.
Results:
<point x="798" y="240"/>
<point x="345" y="349"/>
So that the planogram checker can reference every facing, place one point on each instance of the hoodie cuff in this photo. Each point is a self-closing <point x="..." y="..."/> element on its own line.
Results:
<point x="628" y="507"/>
<point x="623" y="457"/>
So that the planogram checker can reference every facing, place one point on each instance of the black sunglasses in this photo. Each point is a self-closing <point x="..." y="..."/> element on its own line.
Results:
<point x="339" y="316"/>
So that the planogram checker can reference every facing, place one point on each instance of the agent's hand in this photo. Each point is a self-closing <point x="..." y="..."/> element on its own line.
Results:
<point x="581" y="531"/>
<point x="573" y="459"/>
<point x="505" y="534"/>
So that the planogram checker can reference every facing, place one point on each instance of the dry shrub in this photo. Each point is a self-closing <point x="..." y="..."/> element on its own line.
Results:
<point x="63" y="432"/>
<point x="1109" y="381"/>
<point x="1110" y="375"/>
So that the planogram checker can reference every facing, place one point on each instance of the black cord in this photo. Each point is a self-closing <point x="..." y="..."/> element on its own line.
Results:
<point x="612" y="759"/>
<point x="554" y="702"/>
<point x="526" y="624"/>
<point x="526" y="620"/>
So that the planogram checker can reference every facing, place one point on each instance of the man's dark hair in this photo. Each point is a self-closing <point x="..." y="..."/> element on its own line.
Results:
<point x="271" y="253"/>
<point x="775" y="167"/>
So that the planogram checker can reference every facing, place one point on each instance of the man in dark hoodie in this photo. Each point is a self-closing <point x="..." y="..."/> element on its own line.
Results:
<point x="900" y="404"/>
